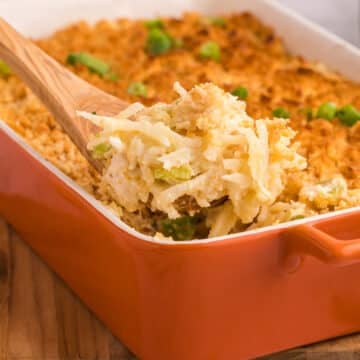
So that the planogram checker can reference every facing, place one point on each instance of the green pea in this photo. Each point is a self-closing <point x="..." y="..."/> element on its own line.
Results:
<point x="241" y="92"/>
<point x="210" y="50"/>
<point x="327" y="111"/>
<point x="158" y="42"/>
<point x="281" y="113"/>
<point x="154" y="23"/>
<point x="180" y="229"/>
<point x="217" y="21"/>
<point x="348" y="115"/>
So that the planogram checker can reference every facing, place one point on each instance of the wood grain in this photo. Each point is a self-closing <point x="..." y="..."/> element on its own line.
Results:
<point x="41" y="319"/>
<point x="62" y="92"/>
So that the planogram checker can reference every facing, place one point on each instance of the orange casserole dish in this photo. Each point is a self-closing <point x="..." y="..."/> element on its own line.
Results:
<point x="236" y="297"/>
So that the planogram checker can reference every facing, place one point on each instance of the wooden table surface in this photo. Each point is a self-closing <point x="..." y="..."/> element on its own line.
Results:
<point x="40" y="318"/>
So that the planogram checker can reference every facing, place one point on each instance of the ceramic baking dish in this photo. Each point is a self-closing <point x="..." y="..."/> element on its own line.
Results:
<point x="235" y="297"/>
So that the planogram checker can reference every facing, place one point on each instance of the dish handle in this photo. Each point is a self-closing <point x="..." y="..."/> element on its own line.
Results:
<point x="335" y="241"/>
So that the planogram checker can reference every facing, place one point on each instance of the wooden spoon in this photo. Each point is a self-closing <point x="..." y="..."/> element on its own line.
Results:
<point x="62" y="92"/>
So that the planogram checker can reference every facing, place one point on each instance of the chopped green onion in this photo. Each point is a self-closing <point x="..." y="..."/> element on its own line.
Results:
<point x="158" y="42"/>
<point x="217" y="21"/>
<point x="92" y="63"/>
<point x="4" y="69"/>
<point x="137" y="89"/>
<point x="213" y="20"/>
<point x="93" y="112"/>
<point x="154" y="24"/>
<point x="308" y="112"/>
<point x="177" y="42"/>
<point x="326" y="111"/>
<point x="210" y="50"/>
<point x="297" y="217"/>
<point x="174" y="175"/>
<point x="281" y="113"/>
<point x="111" y="76"/>
<point x="241" y="92"/>
<point x="182" y="228"/>
<point x="348" y="115"/>
<point x="100" y="150"/>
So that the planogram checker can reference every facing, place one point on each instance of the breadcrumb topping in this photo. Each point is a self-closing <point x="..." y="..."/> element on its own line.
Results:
<point x="248" y="54"/>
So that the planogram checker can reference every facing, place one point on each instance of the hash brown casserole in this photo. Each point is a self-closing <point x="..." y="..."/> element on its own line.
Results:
<point x="230" y="51"/>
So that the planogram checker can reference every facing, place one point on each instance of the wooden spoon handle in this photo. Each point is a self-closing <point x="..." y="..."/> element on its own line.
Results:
<point x="52" y="83"/>
<point x="60" y="90"/>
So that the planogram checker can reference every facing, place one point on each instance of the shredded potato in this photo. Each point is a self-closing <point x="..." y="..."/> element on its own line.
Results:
<point x="202" y="145"/>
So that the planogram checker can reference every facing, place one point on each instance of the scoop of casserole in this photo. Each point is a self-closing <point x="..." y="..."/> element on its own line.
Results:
<point x="202" y="146"/>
